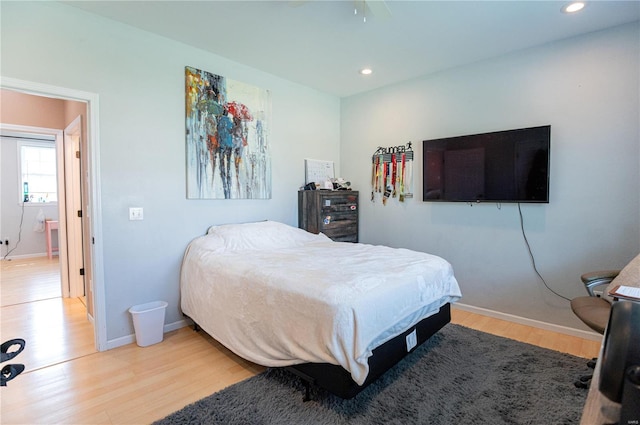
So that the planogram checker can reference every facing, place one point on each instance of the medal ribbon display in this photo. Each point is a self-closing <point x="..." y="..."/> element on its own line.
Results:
<point x="392" y="173"/>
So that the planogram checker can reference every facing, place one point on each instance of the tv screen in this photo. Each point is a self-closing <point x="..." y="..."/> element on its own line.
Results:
<point x="502" y="166"/>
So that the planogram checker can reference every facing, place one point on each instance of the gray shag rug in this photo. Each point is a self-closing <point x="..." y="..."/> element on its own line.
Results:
<point x="459" y="376"/>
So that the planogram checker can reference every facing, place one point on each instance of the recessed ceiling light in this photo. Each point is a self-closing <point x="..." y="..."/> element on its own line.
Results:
<point x="573" y="7"/>
<point x="366" y="71"/>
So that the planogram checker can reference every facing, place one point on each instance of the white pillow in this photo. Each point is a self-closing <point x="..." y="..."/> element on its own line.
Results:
<point x="262" y="235"/>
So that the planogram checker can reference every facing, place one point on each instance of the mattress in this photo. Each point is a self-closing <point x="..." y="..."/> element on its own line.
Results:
<point x="278" y="296"/>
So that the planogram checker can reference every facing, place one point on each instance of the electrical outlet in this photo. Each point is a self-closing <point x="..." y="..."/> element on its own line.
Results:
<point x="6" y="242"/>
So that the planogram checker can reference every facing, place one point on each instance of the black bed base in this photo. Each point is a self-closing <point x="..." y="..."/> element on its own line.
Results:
<point x="337" y="380"/>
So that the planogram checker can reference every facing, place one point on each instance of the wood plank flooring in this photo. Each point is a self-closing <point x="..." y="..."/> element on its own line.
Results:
<point x="29" y="279"/>
<point x="56" y="329"/>
<point x="127" y="385"/>
<point x="543" y="338"/>
<point x="137" y="385"/>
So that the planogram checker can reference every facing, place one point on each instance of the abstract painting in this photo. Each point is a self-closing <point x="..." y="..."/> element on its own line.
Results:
<point x="227" y="138"/>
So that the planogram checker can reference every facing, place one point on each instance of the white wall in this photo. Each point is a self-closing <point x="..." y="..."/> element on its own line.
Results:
<point x="587" y="89"/>
<point x="139" y="78"/>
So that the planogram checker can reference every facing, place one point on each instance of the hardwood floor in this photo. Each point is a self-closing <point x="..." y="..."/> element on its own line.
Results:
<point x="56" y="329"/>
<point x="29" y="279"/>
<point x="127" y="385"/>
<point x="543" y="338"/>
<point x="68" y="382"/>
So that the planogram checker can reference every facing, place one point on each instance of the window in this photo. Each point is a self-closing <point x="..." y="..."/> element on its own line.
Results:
<point x="38" y="183"/>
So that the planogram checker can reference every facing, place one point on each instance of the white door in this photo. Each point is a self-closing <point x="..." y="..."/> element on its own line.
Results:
<point x="72" y="175"/>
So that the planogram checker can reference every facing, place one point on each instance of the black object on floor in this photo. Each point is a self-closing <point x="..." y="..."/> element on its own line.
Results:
<point x="10" y="371"/>
<point x="6" y="355"/>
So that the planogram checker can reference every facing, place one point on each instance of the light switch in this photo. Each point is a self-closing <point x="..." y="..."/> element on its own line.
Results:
<point x="135" y="214"/>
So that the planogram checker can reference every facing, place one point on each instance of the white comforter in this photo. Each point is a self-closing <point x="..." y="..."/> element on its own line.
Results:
<point x="277" y="295"/>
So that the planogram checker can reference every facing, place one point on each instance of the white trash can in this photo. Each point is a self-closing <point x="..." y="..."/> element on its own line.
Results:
<point x="148" y="322"/>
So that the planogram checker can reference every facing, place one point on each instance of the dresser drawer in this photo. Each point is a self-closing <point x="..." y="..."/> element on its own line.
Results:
<point x="334" y="213"/>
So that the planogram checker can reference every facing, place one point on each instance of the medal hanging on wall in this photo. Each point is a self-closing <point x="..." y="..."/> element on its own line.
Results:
<point x="392" y="173"/>
<point x="408" y="174"/>
<point x="387" y="180"/>
<point x="374" y="176"/>
<point x="403" y="167"/>
<point x="377" y="166"/>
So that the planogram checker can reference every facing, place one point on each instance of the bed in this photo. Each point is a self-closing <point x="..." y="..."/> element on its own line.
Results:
<point x="337" y="314"/>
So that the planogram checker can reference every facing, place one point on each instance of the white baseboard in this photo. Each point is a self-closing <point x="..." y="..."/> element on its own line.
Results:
<point x="24" y="256"/>
<point x="130" y="339"/>
<point x="175" y="325"/>
<point x="593" y="336"/>
<point x="119" y="342"/>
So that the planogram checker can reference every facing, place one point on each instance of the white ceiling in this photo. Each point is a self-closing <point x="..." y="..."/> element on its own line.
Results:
<point x="322" y="44"/>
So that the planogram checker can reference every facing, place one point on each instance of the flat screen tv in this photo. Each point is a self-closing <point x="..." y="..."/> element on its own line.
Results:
<point x="502" y="166"/>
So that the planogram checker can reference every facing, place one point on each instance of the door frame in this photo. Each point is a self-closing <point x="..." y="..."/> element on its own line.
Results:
<point x="95" y="210"/>
<point x="62" y="229"/>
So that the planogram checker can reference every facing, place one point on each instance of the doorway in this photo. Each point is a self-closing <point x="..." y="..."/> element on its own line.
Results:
<point x="91" y="251"/>
<point x="37" y="190"/>
<point x="43" y="296"/>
